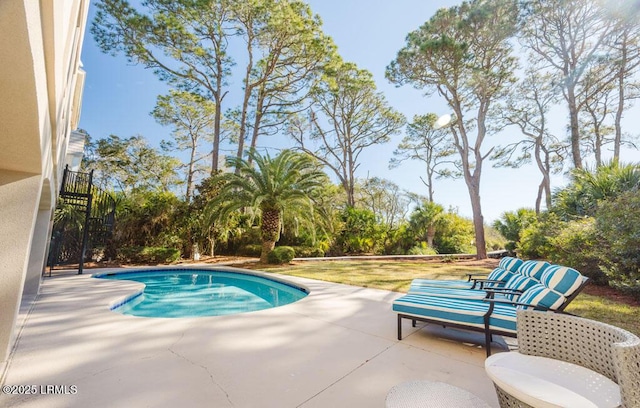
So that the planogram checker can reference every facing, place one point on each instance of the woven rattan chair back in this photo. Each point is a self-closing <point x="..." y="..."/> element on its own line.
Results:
<point x="606" y="349"/>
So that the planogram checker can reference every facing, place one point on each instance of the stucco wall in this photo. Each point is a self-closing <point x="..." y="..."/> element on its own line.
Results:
<point x="40" y="45"/>
<point x="24" y="122"/>
<point x="19" y="195"/>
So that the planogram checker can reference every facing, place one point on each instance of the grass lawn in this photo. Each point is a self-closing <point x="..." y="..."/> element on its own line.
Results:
<point x="593" y="303"/>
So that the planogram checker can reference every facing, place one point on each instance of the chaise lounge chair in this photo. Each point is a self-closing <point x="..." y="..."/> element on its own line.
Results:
<point x="506" y="268"/>
<point x="527" y="274"/>
<point x="512" y="287"/>
<point x="559" y="286"/>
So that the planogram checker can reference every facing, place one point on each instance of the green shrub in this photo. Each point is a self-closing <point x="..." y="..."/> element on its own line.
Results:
<point x="511" y="247"/>
<point x="281" y="255"/>
<point x="250" y="250"/>
<point x="448" y="259"/>
<point x="511" y="224"/>
<point x="617" y="223"/>
<point x="422" y="249"/>
<point x="576" y="245"/>
<point x="148" y="254"/>
<point x="454" y="235"/>
<point x="308" y="252"/>
<point x="535" y="238"/>
<point x="360" y="233"/>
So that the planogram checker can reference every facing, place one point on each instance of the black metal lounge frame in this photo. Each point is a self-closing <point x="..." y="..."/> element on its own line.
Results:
<point x="481" y="281"/>
<point x="488" y="333"/>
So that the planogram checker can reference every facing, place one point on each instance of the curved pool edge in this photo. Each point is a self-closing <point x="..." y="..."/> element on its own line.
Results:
<point x="120" y="301"/>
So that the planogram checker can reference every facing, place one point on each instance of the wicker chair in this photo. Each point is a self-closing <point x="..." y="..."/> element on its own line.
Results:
<point x="605" y="351"/>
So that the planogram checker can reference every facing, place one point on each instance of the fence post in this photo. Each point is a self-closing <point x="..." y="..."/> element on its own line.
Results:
<point x="85" y="231"/>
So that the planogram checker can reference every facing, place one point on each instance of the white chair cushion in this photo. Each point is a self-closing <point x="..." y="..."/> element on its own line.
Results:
<point x="543" y="382"/>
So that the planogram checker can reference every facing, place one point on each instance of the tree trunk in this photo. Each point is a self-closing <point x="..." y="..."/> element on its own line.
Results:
<point x="431" y="233"/>
<point x="478" y="221"/>
<point x="243" y="125"/>
<point x="267" y="246"/>
<point x="472" y="179"/>
<point x="430" y="185"/>
<point x="256" y="124"/>
<point x="215" y="152"/>
<point x="270" y="229"/>
<point x="575" y="128"/>
<point x="544" y="166"/>
<point x="248" y="89"/>
<point x="350" y="177"/>
<point x="621" y="95"/>
<point x="192" y="160"/>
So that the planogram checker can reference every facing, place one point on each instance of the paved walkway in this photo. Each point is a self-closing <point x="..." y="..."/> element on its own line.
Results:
<point x="335" y="348"/>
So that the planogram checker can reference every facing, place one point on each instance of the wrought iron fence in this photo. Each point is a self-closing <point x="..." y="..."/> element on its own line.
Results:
<point x="85" y="217"/>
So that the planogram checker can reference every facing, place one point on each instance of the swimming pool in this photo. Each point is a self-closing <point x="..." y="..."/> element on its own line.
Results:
<point x="198" y="292"/>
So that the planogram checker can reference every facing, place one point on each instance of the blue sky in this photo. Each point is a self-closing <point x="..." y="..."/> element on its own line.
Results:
<point x="118" y="97"/>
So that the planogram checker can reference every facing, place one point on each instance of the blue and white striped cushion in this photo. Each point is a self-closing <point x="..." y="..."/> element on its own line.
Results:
<point x="440" y="283"/>
<point x="505" y="261"/>
<point x="510" y="263"/>
<point x="533" y="269"/>
<point x="562" y="279"/>
<point x="539" y="295"/>
<point x="437" y="291"/>
<point x="499" y="274"/>
<point x="451" y="293"/>
<point x="503" y="318"/>
<point x="425" y="285"/>
<point x="496" y="274"/>
<point x="520" y="282"/>
<point x="460" y="311"/>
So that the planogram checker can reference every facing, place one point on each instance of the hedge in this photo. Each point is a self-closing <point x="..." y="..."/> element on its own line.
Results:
<point x="281" y="255"/>
<point x="148" y="254"/>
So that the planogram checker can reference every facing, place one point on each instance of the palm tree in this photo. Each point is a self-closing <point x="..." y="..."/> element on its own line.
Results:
<point x="588" y="187"/>
<point x="424" y="219"/>
<point x="270" y="185"/>
<point x="512" y="223"/>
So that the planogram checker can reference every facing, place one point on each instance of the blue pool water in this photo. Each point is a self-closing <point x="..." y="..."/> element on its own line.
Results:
<point x="193" y="293"/>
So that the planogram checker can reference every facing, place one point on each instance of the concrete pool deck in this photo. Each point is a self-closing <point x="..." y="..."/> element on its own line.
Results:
<point x="335" y="348"/>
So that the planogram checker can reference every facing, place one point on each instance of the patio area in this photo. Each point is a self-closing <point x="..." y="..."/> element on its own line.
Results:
<point x="335" y="348"/>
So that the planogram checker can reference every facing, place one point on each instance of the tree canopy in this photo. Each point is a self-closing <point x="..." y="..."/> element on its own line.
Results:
<point x="432" y="146"/>
<point x="464" y="54"/>
<point x="348" y="115"/>
<point x="130" y="164"/>
<point x="272" y="186"/>
<point x="192" y="120"/>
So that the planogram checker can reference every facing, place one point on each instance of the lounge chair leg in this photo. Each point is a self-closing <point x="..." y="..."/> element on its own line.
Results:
<point x="487" y="341"/>
<point x="399" y="327"/>
<point x="413" y="323"/>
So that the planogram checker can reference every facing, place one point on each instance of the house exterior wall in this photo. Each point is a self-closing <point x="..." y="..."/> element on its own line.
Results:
<point x="40" y="96"/>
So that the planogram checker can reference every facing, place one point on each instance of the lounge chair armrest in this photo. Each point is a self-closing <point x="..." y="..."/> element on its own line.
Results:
<point x="515" y="303"/>
<point x="488" y="283"/>
<point x="503" y="291"/>
<point x="490" y="280"/>
<point x="470" y="276"/>
<point x="481" y="282"/>
<point x="491" y="293"/>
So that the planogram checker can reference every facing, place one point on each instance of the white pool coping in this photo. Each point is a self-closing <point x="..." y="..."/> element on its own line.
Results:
<point x="336" y="347"/>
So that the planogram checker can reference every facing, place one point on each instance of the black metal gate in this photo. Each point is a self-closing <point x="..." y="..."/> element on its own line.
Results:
<point x="86" y="221"/>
